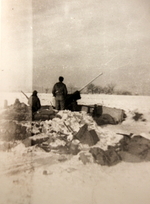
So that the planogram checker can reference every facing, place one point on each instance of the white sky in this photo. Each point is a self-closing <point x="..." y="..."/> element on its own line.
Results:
<point x="77" y="39"/>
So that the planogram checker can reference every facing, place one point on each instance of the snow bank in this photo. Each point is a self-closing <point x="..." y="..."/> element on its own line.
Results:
<point x="31" y="175"/>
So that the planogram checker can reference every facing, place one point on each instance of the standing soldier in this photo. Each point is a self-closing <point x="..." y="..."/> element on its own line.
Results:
<point x="34" y="103"/>
<point x="59" y="91"/>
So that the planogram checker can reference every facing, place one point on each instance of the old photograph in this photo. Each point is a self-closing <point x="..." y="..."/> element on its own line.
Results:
<point x="75" y="102"/>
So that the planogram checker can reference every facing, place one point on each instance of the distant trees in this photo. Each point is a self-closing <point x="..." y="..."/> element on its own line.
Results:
<point x="119" y="92"/>
<point x="91" y="88"/>
<point x="108" y="89"/>
<point x="71" y="88"/>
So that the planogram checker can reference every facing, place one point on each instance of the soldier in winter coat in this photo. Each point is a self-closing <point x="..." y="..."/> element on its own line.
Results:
<point x="59" y="91"/>
<point x="34" y="103"/>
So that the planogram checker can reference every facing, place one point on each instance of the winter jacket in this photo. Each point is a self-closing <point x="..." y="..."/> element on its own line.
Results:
<point x="34" y="102"/>
<point x="59" y="90"/>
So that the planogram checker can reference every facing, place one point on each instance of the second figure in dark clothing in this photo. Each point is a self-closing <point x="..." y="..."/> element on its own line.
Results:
<point x="59" y="91"/>
<point x="34" y="103"/>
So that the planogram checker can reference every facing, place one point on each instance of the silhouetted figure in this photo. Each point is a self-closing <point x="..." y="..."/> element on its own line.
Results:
<point x="59" y="91"/>
<point x="34" y="103"/>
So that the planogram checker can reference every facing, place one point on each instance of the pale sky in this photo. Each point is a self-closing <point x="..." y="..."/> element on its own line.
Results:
<point x="43" y="39"/>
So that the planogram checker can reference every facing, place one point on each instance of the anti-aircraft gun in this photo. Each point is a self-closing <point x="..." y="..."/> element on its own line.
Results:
<point x="71" y="99"/>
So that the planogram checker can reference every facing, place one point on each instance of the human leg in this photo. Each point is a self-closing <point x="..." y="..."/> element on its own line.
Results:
<point x="62" y="105"/>
<point x="57" y="104"/>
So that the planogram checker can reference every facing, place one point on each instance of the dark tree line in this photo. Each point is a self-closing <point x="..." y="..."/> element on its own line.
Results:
<point x="94" y="89"/>
<point x="108" y="89"/>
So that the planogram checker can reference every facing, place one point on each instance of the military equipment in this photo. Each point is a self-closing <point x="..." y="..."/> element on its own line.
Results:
<point x="71" y="99"/>
<point x="90" y="82"/>
<point x="25" y="95"/>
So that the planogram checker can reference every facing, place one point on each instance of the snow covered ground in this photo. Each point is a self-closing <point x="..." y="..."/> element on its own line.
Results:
<point x="32" y="176"/>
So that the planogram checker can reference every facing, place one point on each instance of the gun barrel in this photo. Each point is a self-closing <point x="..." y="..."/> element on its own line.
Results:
<point x="90" y="82"/>
<point x="25" y="95"/>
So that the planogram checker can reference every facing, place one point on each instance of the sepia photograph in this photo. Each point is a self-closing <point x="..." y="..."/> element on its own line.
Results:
<point x="75" y="102"/>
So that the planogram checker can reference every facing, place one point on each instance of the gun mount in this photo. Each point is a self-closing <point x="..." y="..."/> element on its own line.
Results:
<point x="71" y="99"/>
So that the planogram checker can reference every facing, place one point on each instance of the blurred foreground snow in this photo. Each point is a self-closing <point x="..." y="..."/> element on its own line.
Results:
<point x="32" y="176"/>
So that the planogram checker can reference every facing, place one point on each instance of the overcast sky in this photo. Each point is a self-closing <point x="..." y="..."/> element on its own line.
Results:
<point x="43" y="39"/>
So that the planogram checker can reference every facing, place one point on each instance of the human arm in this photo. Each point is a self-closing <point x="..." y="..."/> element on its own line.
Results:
<point x="54" y="90"/>
<point x="39" y="104"/>
<point x="65" y="90"/>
